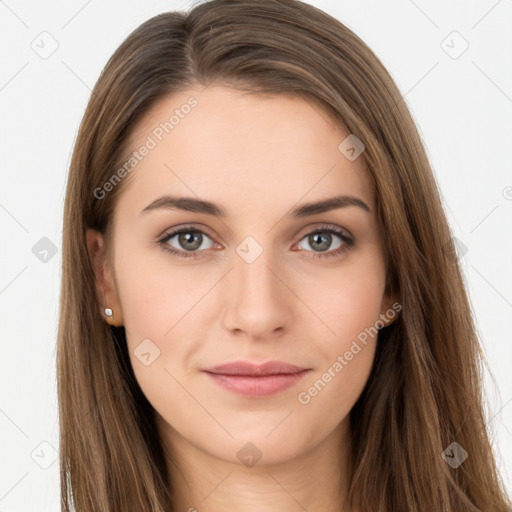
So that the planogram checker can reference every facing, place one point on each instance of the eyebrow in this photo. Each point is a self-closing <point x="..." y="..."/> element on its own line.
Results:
<point x="191" y="204"/>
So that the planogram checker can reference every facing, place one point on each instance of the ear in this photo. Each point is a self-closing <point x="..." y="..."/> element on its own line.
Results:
<point x="104" y="279"/>
<point x="391" y="307"/>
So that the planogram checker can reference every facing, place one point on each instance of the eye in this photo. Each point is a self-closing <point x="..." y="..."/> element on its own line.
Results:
<point x="321" y="239"/>
<point x="189" y="240"/>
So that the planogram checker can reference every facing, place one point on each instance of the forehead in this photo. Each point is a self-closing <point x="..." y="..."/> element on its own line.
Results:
<point x="232" y="147"/>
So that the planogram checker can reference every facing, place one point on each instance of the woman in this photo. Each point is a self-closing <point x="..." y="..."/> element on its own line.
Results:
<point x="261" y="305"/>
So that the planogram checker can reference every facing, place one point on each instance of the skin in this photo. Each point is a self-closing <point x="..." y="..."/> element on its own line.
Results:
<point x="257" y="157"/>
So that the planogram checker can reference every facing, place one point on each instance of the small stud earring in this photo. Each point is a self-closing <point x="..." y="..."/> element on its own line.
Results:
<point x="108" y="312"/>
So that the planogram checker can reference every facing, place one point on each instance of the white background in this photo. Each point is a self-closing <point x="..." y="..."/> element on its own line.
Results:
<point x="463" y="107"/>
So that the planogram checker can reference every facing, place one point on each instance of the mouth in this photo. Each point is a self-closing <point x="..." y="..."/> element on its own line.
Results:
<point x="254" y="380"/>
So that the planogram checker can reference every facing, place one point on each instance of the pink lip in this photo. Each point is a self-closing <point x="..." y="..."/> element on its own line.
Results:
<point x="256" y="379"/>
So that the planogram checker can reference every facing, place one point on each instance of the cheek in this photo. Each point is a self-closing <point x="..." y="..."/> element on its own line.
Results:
<point x="155" y="311"/>
<point x="161" y="304"/>
<point x="348" y="302"/>
<point x="350" y="307"/>
<point x="156" y="296"/>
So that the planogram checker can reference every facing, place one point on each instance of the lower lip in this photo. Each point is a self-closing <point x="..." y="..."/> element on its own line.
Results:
<point x="263" y="385"/>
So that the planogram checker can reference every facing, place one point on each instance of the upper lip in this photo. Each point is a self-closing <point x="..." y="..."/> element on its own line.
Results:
<point x="248" y="368"/>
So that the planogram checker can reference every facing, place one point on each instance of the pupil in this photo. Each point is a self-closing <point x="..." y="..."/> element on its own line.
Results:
<point x="326" y="238"/>
<point x="189" y="240"/>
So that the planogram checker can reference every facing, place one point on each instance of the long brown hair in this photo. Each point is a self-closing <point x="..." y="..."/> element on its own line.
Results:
<point x="425" y="388"/>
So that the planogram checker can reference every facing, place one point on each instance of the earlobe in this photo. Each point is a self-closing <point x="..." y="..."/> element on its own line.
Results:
<point x="391" y="307"/>
<point x="105" y="286"/>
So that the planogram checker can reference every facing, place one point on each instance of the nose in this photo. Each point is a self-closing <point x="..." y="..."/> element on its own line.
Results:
<point x="259" y="301"/>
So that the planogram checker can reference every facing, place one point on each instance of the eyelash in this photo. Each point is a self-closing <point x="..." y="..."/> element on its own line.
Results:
<point x="347" y="242"/>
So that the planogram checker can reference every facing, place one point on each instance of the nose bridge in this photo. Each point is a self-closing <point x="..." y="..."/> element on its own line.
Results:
<point x="252" y="269"/>
<point x="259" y="301"/>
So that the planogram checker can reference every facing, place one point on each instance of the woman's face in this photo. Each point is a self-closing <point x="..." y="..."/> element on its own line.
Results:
<point x="256" y="278"/>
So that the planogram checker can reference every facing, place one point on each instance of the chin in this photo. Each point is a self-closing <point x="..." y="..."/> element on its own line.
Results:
<point x="260" y="446"/>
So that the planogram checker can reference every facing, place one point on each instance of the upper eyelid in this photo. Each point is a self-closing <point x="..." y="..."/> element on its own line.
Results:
<point x="170" y="233"/>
